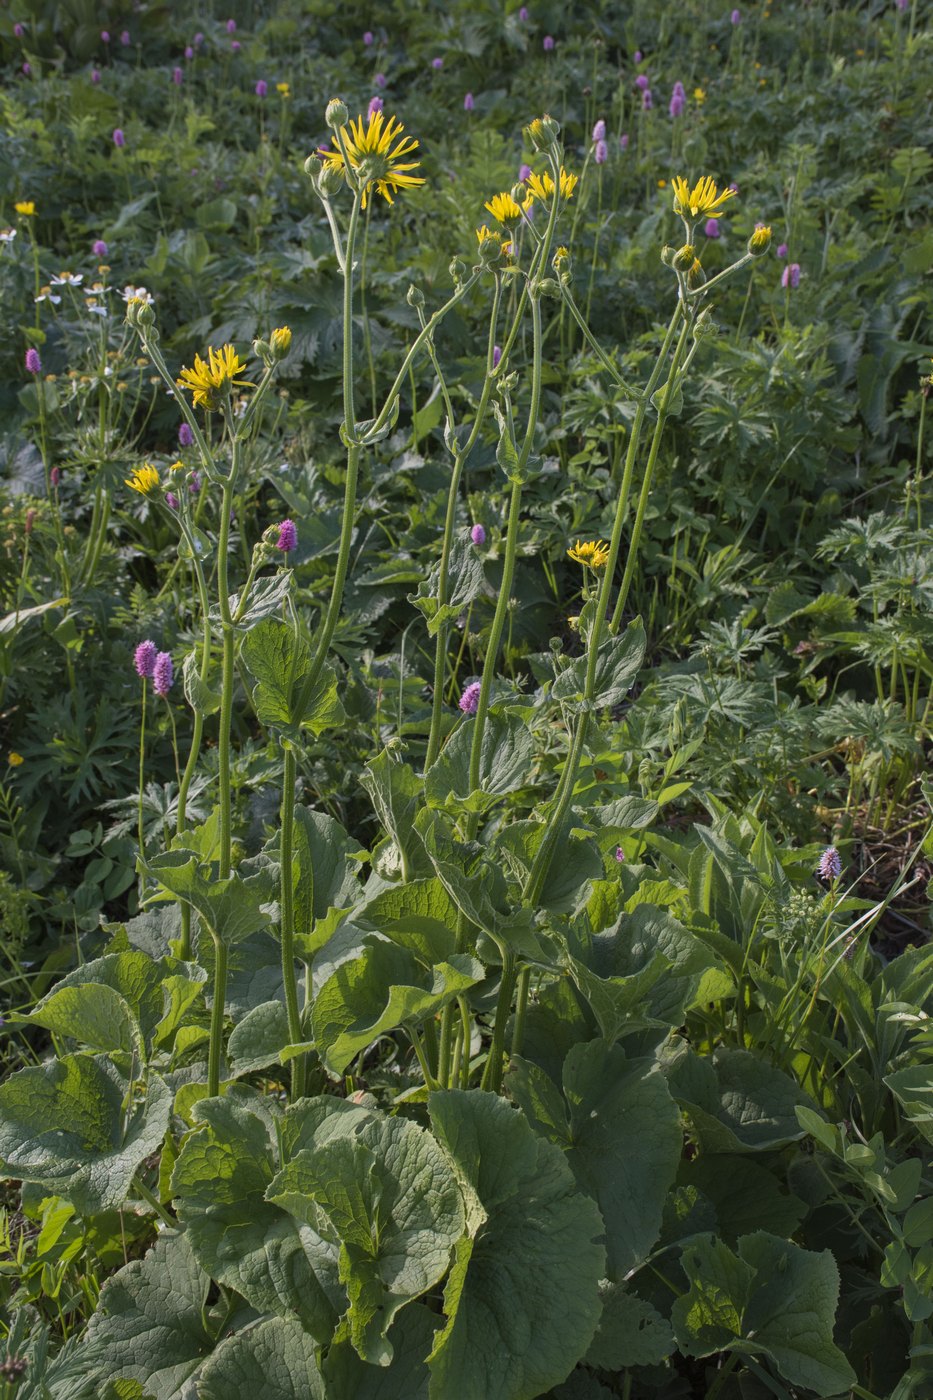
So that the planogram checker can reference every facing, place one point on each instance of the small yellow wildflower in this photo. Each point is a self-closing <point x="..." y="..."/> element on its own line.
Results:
<point x="376" y="154"/>
<point x="487" y="235"/>
<point x="25" y="207"/>
<point x="702" y="202"/>
<point x="15" y="759"/>
<point x="662" y="184"/>
<point x="592" y="554"/>
<point x="542" y="186"/>
<point x="760" y="240"/>
<point x="279" y="341"/>
<point x="699" y="96"/>
<point x="505" y="209"/>
<point x="211" y="383"/>
<point x="283" y="89"/>
<point x="178" y="467"/>
<point x="145" y="480"/>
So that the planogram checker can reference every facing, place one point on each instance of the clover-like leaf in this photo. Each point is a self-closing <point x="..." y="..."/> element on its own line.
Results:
<point x="66" y="1125"/>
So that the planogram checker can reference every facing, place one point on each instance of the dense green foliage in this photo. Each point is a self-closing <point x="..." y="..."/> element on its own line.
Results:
<point x="358" y="1043"/>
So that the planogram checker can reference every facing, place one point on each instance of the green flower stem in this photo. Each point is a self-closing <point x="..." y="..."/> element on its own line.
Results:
<point x="217" y="1016"/>
<point x="440" y="654"/>
<point x="415" y="1039"/>
<point x="521" y="1003"/>
<point x="545" y="852"/>
<point x="155" y="354"/>
<point x="184" y="949"/>
<point x="287" y="926"/>
<point x="153" y="1201"/>
<point x="593" y="343"/>
<point x="492" y="1074"/>
<point x="142" y="775"/>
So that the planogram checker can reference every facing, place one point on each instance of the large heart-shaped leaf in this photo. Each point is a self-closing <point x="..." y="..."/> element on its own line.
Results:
<point x="280" y="664"/>
<point x="280" y="1265"/>
<point x="234" y="907"/>
<point x="405" y="1378"/>
<point x="65" y="1124"/>
<point x="388" y="1197"/>
<point x="506" y="761"/>
<point x="275" y="1360"/>
<point x="736" y="1101"/>
<point x="522" y="1300"/>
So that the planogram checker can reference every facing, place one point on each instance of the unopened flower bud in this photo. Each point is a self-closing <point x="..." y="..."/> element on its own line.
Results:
<point x="280" y="342"/>
<point x="542" y="133"/>
<point x="760" y="241"/>
<point x="415" y="296"/>
<point x="667" y="255"/>
<point x="139" y="313"/>
<point x="695" y="275"/>
<point x="547" y="287"/>
<point x="336" y="114"/>
<point x="684" y="258"/>
<point x="262" y="350"/>
<point x="519" y="192"/>
<point x="562" y="264"/>
<point x="704" y="325"/>
<point x="328" y="180"/>
<point x="458" y="269"/>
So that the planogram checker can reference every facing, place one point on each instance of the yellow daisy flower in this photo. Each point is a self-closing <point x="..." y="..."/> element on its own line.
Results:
<point x="283" y="89"/>
<point x="26" y="208"/>
<point x="592" y="554"/>
<point x="377" y="154"/>
<point x="15" y="759"/>
<point x="505" y="209"/>
<point x="145" y="480"/>
<point x="211" y="383"/>
<point x="704" y="201"/>
<point x="542" y="186"/>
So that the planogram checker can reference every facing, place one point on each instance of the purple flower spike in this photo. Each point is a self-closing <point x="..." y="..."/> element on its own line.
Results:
<point x="189" y="52"/>
<point x="637" y="56"/>
<point x="177" y="76"/>
<point x="95" y="76"/>
<point x="469" y="700"/>
<point x="368" y="38"/>
<point x="261" y="88"/>
<point x="468" y="102"/>
<point x="380" y="80"/>
<point x="599" y="131"/>
<point x="118" y="138"/>
<point x="496" y="355"/>
<point x="163" y="673"/>
<point x="231" y="26"/>
<point x="198" y="40"/>
<point x="437" y="63"/>
<point x="478" y="534"/>
<point x="144" y="659"/>
<point x="736" y="17"/>
<point x="376" y="104"/>
<point x="711" y="228"/>
<point x="33" y="363"/>
<point x="620" y="854"/>
<point x="27" y="69"/>
<point x="171" y="500"/>
<point x="830" y="864"/>
<point x="288" y="537"/>
<point x="781" y="250"/>
<point x="547" y="43"/>
<point x="194" y="485"/>
<point x="99" y="248"/>
<point x="185" y="435"/>
<point x="18" y="30"/>
<point x="646" y="100"/>
<point x="125" y="38"/>
<point x="641" y="82"/>
<point x="236" y="46"/>
<point x="523" y="14"/>
<point x="601" y="153"/>
<point x="677" y="104"/>
<point x="105" y="36"/>
<point x="790" y="277"/>
<point x="524" y="172"/>
<point x="623" y="141"/>
<point x="55" y="475"/>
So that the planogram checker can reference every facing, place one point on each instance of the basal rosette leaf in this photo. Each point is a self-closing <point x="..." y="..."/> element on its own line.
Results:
<point x="65" y="1125"/>
<point x="522" y="1299"/>
<point x="275" y="1360"/>
<point x="388" y="1198"/>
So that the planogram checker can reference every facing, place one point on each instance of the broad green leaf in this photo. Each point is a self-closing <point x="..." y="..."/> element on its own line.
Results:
<point x="325" y="871"/>
<point x="708" y="1317"/>
<point x="234" y="907"/>
<point x="200" y="696"/>
<point x="745" y="1195"/>
<point x="736" y="1101"/>
<point x="259" y="1039"/>
<point x="150" y="1320"/>
<point x="466" y="581"/>
<point x="280" y="663"/>
<point x="266" y="598"/>
<point x="383" y="988"/>
<point x="242" y="1240"/>
<point x="473" y="881"/>
<point x="913" y="1088"/>
<point x="65" y="1125"/>
<point x="506" y="763"/>
<point x="575" y="863"/>
<point x="388" y="1197"/>
<point x="507" y="1338"/>
<point x="791" y="1312"/>
<point x="618" y="1003"/>
<point x="397" y="794"/>
<point x="631" y="1332"/>
<point x="411" y="1337"/>
<point x="420" y="916"/>
<point x="625" y="1146"/>
<point x="113" y="1001"/>
<point x="617" y="665"/>
<point x="275" y="1360"/>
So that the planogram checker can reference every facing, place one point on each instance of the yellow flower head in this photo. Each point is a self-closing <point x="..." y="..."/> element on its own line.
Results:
<point x="283" y="89"/>
<point x="26" y="208"/>
<point x="280" y="340"/>
<point x="211" y="383"/>
<point x="376" y="152"/>
<point x="699" y="96"/>
<point x="15" y="759"/>
<point x="542" y="186"/>
<point x="702" y="202"/>
<point x="145" y="480"/>
<point x="760" y="240"/>
<point x="178" y="467"/>
<point x="505" y="209"/>
<point x="592" y="554"/>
